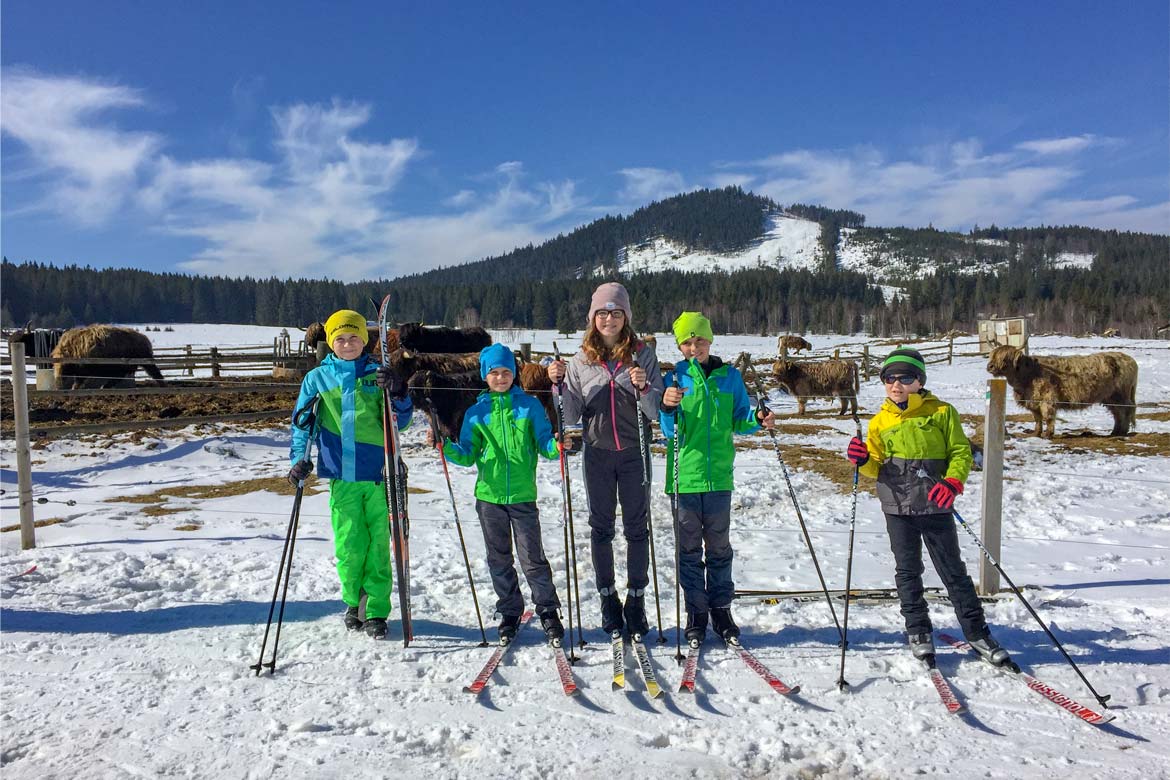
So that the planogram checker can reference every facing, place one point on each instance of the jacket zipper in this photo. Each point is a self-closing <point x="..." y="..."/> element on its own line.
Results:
<point x="613" y="403"/>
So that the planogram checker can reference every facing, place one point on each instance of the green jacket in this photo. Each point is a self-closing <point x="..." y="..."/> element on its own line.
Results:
<point x="501" y="434"/>
<point x="925" y="436"/>
<point x="712" y="409"/>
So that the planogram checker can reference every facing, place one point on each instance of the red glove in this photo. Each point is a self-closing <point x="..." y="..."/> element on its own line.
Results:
<point x="943" y="493"/>
<point x="857" y="453"/>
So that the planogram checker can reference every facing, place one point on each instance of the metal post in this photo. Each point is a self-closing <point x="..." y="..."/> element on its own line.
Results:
<point x="993" y="432"/>
<point x="28" y="538"/>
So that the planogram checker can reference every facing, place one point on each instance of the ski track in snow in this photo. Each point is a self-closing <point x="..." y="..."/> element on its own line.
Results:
<point x="126" y="652"/>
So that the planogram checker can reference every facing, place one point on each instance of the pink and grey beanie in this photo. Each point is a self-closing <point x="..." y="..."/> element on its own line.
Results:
<point x="610" y="296"/>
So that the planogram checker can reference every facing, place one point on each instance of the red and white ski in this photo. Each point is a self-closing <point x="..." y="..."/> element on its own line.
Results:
<point x="690" y="669"/>
<point x="1066" y="703"/>
<point x="756" y="666"/>
<point x="564" y="669"/>
<point x="481" y="680"/>
<point x="945" y="692"/>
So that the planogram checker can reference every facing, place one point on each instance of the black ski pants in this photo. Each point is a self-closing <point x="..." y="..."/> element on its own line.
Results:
<point x="501" y="523"/>
<point x="907" y="535"/>
<point x="611" y="475"/>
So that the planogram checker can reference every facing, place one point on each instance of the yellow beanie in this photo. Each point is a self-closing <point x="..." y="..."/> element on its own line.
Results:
<point x="346" y="322"/>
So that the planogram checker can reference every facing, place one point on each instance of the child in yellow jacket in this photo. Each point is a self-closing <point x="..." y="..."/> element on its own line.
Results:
<point x="917" y="451"/>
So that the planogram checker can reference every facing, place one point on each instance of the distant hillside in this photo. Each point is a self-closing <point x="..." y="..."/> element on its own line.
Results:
<point x="754" y="265"/>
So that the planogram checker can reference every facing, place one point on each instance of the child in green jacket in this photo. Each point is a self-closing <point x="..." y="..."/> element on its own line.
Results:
<point x="709" y="402"/>
<point x="501" y="435"/>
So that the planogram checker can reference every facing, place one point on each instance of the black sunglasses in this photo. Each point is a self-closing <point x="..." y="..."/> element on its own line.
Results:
<point x="902" y="379"/>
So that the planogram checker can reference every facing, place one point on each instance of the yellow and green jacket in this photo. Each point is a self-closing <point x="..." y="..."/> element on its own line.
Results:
<point x="501" y="435"/>
<point x="925" y="436"/>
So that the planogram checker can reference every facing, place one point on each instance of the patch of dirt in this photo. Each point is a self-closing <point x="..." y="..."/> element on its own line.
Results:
<point x="83" y="410"/>
<point x="36" y="524"/>
<point x="1134" y="444"/>
<point x="155" y="503"/>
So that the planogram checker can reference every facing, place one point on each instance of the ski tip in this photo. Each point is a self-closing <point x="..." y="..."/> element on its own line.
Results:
<point x="686" y="689"/>
<point x="618" y="686"/>
<point x="795" y="689"/>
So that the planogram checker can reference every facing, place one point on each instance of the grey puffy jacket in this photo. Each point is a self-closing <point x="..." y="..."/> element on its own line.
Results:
<point x="606" y="403"/>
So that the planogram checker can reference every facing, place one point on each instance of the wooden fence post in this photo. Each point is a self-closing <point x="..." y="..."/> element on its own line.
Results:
<point x="951" y="351"/>
<point x="215" y="363"/>
<point x="190" y="362"/>
<point x="28" y="538"/>
<point x="865" y="361"/>
<point x="837" y="353"/>
<point x="526" y="351"/>
<point x="993" y="435"/>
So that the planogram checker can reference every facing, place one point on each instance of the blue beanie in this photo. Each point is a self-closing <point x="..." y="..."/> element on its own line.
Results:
<point x="495" y="356"/>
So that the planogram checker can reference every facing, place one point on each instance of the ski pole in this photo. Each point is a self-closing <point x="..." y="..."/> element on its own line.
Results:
<point x="761" y="395"/>
<point x="455" y="511"/>
<point x="570" y="531"/>
<point x="842" y="684"/>
<point x="987" y="554"/>
<point x="645" y="453"/>
<point x="395" y="474"/>
<point x="674" y="509"/>
<point x="307" y="415"/>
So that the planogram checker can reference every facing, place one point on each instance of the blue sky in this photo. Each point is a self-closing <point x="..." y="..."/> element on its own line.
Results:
<point x="359" y="140"/>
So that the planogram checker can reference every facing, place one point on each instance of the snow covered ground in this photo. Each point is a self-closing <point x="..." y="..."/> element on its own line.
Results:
<point x="126" y="651"/>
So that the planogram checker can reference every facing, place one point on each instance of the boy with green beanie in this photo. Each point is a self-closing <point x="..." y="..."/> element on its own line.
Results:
<point x="917" y="450"/>
<point x="502" y="433"/>
<point x="350" y="445"/>
<point x="707" y="400"/>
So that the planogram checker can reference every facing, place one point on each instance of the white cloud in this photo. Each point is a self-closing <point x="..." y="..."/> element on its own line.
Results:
<point x="951" y="186"/>
<point x="321" y="207"/>
<point x="89" y="169"/>
<point x="1067" y="145"/>
<point x="646" y="184"/>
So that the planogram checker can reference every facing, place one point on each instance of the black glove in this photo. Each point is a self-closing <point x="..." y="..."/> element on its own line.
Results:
<point x="388" y="379"/>
<point x="298" y="473"/>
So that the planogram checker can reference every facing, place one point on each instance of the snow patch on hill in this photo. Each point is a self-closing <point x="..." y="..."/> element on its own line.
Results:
<point x="788" y="242"/>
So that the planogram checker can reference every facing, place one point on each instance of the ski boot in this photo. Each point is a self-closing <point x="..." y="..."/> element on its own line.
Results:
<point x="352" y="621"/>
<point x="509" y="625"/>
<point x="375" y="628"/>
<point x="553" y="629"/>
<point x="634" y="613"/>
<point x="991" y="651"/>
<point x="696" y="629"/>
<point x="725" y="625"/>
<point x="611" y="611"/>
<point x="922" y="646"/>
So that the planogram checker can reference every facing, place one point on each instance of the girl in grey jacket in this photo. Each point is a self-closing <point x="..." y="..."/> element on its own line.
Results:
<point x="605" y="384"/>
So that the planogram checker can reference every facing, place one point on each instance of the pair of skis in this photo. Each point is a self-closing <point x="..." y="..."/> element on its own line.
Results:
<point x="691" y="668"/>
<point x="1066" y="703"/>
<point x="642" y="655"/>
<point x="564" y="669"/>
<point x="396" y="495"/>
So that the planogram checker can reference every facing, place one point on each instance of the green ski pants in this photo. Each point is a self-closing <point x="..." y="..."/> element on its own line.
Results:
<point x="361" y="542"/>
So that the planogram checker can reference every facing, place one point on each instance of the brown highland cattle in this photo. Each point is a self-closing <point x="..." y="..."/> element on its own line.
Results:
<point x="792" y="344"/>
<point x="827" y="379"/>
<point x="102" y="341"/>
<point x="1044" y="384"/>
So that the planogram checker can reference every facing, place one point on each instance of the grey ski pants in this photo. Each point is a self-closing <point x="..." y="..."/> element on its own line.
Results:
<point x="501" y="523"/>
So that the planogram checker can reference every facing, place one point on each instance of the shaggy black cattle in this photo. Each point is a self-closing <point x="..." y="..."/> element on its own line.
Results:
<point x="449" y="396"/>
<point x="419" y="338"/>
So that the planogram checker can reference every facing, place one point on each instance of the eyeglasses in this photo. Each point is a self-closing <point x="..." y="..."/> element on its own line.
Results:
<point x="902" y="379"/>
<point x="604" y="314"/>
